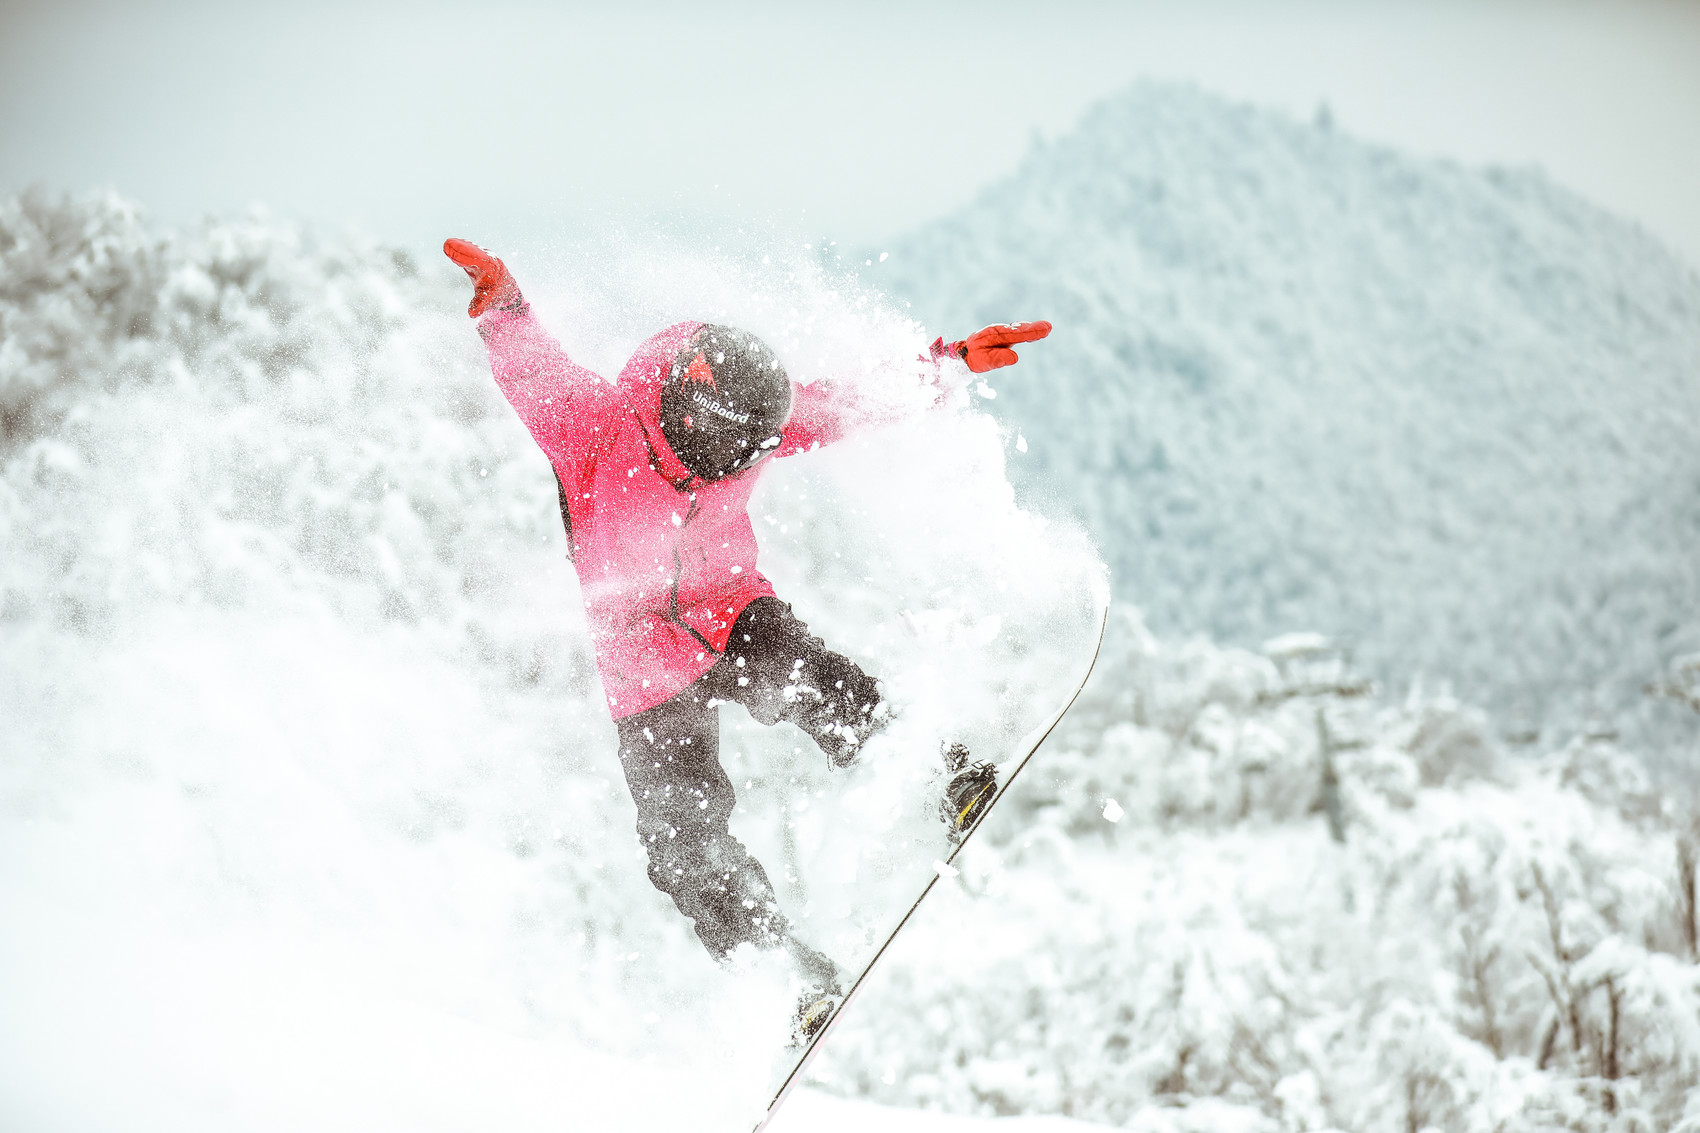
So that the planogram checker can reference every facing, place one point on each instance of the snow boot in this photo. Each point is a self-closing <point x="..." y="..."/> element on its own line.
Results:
<point x="970" y="791"/>
<point x="814" y="1010"/>
<point x="822" y="992"/>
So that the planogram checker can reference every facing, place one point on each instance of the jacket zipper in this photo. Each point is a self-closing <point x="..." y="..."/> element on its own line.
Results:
<point x="678" y="574"/>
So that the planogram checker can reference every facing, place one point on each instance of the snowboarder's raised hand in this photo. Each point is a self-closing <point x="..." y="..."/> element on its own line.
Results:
<point x="493" y="287"/>
<point x="988" y="349"/>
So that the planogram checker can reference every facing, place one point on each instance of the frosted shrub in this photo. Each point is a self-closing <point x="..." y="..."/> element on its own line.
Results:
<point x="1193" y="733"/>
<point x="1497" y="943"/>
<point x="78" y="302"/>
<point x="1450" y="742"/>
<point x="302" y="445"/>
<point x="1607" y="775"/>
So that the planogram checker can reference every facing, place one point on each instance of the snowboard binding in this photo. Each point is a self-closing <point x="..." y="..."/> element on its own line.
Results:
<point x="972" y="787"/>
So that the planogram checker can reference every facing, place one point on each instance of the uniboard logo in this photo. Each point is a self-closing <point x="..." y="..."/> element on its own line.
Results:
<point x="699" y="372"/>
<point x="709" y="404"/>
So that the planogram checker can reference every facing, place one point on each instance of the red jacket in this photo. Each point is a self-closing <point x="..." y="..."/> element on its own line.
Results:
<point x="666" y="561"/>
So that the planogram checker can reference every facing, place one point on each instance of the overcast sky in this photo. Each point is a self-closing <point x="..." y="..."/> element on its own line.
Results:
<point x="414" y="121"/>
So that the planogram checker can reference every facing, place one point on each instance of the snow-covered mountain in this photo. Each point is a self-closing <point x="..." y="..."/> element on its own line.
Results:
<point x="1449" y="415"/>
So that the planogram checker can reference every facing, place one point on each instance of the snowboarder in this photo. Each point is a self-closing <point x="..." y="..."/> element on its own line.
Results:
<point x="654" y="473"/>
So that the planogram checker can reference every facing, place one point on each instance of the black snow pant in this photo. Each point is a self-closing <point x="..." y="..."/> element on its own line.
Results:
<point x="671" y="756"/>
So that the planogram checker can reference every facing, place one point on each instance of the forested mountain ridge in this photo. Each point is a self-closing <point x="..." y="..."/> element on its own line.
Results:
<point x="1450" y="415"/>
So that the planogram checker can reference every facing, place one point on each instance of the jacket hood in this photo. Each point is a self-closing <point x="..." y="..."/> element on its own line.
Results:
<point x="641" y="382"/>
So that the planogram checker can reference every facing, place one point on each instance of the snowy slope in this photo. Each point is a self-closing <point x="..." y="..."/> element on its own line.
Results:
<point x="1451" y="415"/>
<point x="814" y="1112"/>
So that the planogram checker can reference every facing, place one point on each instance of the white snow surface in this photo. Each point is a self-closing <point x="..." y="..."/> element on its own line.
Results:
<point x="1298" y="382"/>
<point x="812" y="1111"/>
<point x="310" y="818"/>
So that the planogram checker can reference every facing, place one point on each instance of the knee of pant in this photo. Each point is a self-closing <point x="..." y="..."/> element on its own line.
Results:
<point x="677" y="873"/>
<point x="722" y="936"/>
<point x="683" y="807"/>
<point x="683" y="857"/>
<point x="712" y="803"/>
<point x="672" y="849"/>
<point x="652" y="829"/>
<point x="663" y="876"/>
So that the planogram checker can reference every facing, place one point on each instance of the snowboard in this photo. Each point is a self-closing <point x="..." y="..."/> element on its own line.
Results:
<point x="1008" y="768"/>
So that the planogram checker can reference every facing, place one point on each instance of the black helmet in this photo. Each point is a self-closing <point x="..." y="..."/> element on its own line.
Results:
<point x="724" y="402"/>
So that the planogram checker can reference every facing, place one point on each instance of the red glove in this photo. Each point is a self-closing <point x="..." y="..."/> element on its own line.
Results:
<point x="492" y="285"/>
<point x="988" y="349"/>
